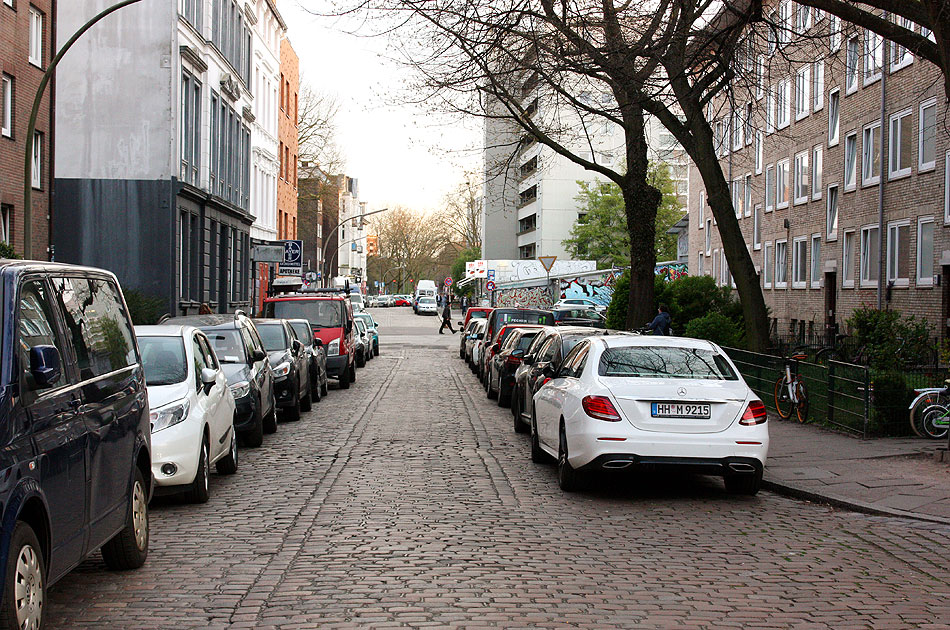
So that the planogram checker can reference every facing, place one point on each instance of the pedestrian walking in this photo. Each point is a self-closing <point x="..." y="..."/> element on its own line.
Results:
<point x="447" y="318"/>
<point x="663" y="321"/>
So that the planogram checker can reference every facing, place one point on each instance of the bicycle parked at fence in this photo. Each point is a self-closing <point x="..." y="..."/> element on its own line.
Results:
<point x="930" y="412"/>
<point x="908" y="353"/>
<point x="791" y="395"/>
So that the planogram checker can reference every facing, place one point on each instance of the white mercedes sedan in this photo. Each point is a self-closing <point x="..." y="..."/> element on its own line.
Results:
<point x="626" y="401"/>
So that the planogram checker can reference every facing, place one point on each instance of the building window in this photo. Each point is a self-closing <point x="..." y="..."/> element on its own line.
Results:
<point x="816" y="261"/>
<point x="898" y="253"/>
<point x="816" y="167"/>
<point x="925" y="251"/>
<point x="834" y="33"/>
<point x="781" y="264"/>
<point x="760" y="77"/>
<point x="770" y="111"/>
<point x="758" y="152"/>
<point x="834" y="113"/>
<point x="36" y="38"/>
<point x="781" y="184"/>
<point x="803" y="19"/>
<point x="715" y="267"/>
<point x="783" y="103"/>
<point x="702" y="265"/>
<point x="737" y="126"/>
<point x="183" y="267"/>
<point x="928" y="135"/>
<point x="736" y="188"/>
<point x="191" y="11"/>
<point x="870" y="256"/>
<point x="873" y="56"/>
<point x="702" y="208"/>
<point x="768" y="265"/>
<point x="190" y="128"/>
<point x="818" y="85"/>
<point x="802" y="83"/>
<point x="801" y="178"/>
<point x="850" y="160"/>
<point x="785" y="22"/>
<point x="946" y="189"/>
<point x="37" y="169"/>
<point x="7" y="86"/>
<point x="871" y="155"/>
<point x="747" y="123"/>
<point x="757" y="227"/>
<point x="799" y="262"/>
<point x="900" y="56"/>
<point x="847" y="259"/>
<point x="851" y="65"/>
<point x="6" y="223"/>
<point x="899" y="144"/>
<point x="770" y="188"/>
<point x="831" y="213"/>
<point x="747" y="201"/>
<point x="527" y="251"/>
<point x="708" y="235"/>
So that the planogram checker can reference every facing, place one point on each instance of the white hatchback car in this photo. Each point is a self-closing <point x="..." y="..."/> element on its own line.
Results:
<point x="622" y="401"/>
<point x="427" y="305"/>
<point x="192" y="410"/>
<point x="581" y="303"/>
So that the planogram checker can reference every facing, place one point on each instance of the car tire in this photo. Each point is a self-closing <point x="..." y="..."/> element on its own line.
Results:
<point x="353" y="374"/>
<point x="518" y="423"/>
<point x="129" y="548"/>
<point x="270" y="421"/>
<point x="325" y="388"/>
<point x="345" y="378"/>
<point x="376" y="348"/>
<point x="316" y="393"/>
<point x="228" y="465"/>
<point x="491" y="393"/>
<point x="254" y="436"/>
<point x="504" y="397"/>
<point x="361" y="359"/>
<point x="292" y="413"/>
<point x="747" y="485"/>
<point x="306" y="403"/>
<point x="568" y="479"/>
<point x="25" y="564"/>
<point x="200" y="489"/>
<point x="538" y="456"/>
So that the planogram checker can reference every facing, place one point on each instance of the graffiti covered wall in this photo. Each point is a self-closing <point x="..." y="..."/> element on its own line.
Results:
<point x="671" y="271"/>
<point x="528" y="297"/>
<point x="597" y="288"/>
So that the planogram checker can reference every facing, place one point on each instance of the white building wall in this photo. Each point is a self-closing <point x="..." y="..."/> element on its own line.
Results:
<point x="265" y="162"/>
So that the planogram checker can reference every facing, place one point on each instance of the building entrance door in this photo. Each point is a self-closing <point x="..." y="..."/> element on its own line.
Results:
<point x="831" y="306"/>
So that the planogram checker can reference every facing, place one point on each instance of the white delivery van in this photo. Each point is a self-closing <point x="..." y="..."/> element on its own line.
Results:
<point x="424" y="288"/>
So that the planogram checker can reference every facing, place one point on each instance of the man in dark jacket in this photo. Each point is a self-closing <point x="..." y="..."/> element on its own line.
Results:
<point x="447" y="317"/>
<point x="662" y="322"/>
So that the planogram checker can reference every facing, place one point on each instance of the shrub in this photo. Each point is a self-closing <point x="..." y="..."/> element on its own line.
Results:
<point x="884" y="335"/>
<point x="144" y="309"/>
<point x="617" y="310"/>
<point x="891" y="398"/>
<point x="7" y="251"/>
<point x="717" y="328"/>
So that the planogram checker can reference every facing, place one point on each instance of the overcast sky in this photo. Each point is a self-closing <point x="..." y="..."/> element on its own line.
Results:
<point x="399" y="154"/>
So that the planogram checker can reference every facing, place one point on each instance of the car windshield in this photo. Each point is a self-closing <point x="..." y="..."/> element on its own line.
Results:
<point x="163" y="359"/>
<point x="273" y="336"/>
<point x="304" y="333"/>
<point x="665" y="362"/>
<point x="320" y="313"/>
<point x="368" y="320"/>
<point x="355" y="298"/>
<point x="227" y="345"/>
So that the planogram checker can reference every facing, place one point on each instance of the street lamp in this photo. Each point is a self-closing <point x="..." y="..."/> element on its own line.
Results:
<point x="326" y="243"/>
<point x="31" y="126"/>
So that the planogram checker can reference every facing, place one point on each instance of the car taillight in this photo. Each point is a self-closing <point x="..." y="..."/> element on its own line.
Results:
<point x="754" y="414"/>
<point x="600" y="407"/>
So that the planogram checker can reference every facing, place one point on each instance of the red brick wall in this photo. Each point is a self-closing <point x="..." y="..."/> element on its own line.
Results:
<point x="287" y="135"/>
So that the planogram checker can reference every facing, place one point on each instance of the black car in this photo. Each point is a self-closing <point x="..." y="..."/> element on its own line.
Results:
<point x="76" y="459"/>
<point x="242" y="356"/>
<point x="291" y="366"/>
<point x="541" y="361"/>
<point x="501" y="374"/>
<point x="579" y="317"/>
<point x="319" y="380"/>
<point x="501" y="317"/>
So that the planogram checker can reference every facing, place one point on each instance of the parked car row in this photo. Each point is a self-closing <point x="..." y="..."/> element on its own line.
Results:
<point x="391" y="300"/>
<point x="595" y="400"/>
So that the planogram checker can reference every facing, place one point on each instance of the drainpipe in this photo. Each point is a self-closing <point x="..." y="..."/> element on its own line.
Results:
<point x="882" y="258"/>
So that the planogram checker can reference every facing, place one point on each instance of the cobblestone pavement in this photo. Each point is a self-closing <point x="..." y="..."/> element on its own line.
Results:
<point x="408" y="501"/>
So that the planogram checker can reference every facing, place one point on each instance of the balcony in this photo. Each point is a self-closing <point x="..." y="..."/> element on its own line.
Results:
<point x="528" y="196"/>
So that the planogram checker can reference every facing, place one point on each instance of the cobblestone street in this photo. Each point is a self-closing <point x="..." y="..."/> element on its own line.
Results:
<point x="408" y="501"/>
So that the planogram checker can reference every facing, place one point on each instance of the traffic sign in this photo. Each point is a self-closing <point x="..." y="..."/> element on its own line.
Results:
<point x="490" y="285"/>
<point x="448" y="281"/>
<point x="491" y="274"/>
<point x="269" y="253"/>
<point x="547" y="262"/>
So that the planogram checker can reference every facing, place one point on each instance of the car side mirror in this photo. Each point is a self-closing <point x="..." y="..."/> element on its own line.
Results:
<point x="297" y="346"/>
<point x="258" y="355"/>
<point x="318" y="342"/>
<point x="208" y="377"/>
<point x="45" y="365"/>
<point x="518" y="353"/>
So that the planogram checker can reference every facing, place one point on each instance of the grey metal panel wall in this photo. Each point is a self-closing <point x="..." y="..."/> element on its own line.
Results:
<point x="125" y="226"/>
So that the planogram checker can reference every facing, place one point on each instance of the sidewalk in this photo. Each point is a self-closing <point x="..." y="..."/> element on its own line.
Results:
<point x="895" y="476"/>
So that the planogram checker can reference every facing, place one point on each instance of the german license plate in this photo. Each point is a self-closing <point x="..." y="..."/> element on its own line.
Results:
<point x="679" y="410"/>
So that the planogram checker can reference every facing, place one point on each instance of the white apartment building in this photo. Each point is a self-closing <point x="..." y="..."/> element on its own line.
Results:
<point x="268" y="28"/>
<point x="351" y="254"/>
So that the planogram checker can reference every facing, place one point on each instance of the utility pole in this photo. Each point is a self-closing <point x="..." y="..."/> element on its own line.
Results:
<point x="31" y="126"/>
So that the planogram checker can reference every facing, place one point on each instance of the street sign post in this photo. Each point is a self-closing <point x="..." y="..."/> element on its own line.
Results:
<point x="548" y="262"/>
<point x="448" y="281"/>
<point x="490" y="285"/>
<point x="292" y="263"/>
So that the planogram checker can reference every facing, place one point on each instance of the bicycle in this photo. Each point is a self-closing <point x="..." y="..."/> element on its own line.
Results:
<point x="926" y="419"/>
<point x="790" y="391"/>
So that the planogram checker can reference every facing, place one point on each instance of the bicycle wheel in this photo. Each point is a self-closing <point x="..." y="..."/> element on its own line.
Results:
<point x="936" y="421"/>
<point x="783" y="403"/>
<point x="825" y="355"/>
<point x="801" y="393"/>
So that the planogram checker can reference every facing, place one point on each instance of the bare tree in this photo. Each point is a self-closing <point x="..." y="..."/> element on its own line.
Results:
<point x="461" y="214"/>
<point x="409" y="242"/>
<point x="316" y="132"/>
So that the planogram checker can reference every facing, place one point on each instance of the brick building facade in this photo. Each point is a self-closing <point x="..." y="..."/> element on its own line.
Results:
<point x="287" y="137"/>
<point x="27" y="33"/>
<point x="812" y="162"/>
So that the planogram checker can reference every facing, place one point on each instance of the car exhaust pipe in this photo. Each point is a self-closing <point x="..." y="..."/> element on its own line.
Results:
<point x="617" y="463"/>
<point x="739" y="467"/>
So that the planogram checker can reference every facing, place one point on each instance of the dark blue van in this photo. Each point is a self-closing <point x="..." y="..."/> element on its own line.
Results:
<point x="75" y="472"/>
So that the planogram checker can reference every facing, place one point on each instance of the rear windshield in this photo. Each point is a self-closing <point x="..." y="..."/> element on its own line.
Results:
<point x="273" y="336"/>
<point x="578" y="313"/>
<point x="163" y="359"/>
<point x="227" y="345"/>
<point x="665" y="362"/>
<point x="478" y="315"/>
<point x="320" y="313"/>
<point x="304" y="333"/>
<point x="523" y="317"/>
<point x="426" y="300"/>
